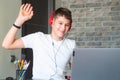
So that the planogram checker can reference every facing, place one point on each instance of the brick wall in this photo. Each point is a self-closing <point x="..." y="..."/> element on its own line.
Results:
<point x="96" y="23"/>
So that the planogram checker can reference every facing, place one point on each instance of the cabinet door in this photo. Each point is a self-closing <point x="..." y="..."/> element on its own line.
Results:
<point x="39" y="22"/>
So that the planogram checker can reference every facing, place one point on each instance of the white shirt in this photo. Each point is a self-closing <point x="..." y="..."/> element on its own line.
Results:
<point x="49" y="56"/>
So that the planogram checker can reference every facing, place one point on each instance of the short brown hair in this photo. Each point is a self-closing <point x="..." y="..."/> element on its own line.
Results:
<point x="63" y="12"/>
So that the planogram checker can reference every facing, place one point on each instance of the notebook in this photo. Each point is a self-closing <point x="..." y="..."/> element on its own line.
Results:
<point x="96" y="64"/>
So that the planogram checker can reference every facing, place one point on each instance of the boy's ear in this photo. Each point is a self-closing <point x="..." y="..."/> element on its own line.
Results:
<point x="70" y="25"/>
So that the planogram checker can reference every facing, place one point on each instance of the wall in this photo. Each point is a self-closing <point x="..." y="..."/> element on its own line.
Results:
<point x="96" y="23"/>
<point x="8" y="13"/>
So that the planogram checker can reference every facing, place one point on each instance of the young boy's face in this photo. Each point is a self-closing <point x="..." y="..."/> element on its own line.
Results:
<point x="60" y="27"/>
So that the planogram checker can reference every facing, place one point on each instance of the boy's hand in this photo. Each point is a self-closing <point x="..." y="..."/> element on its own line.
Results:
<point x="25" y="14"/>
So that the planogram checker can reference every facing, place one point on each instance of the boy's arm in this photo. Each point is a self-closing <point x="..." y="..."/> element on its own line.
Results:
<point x="10" y="41"/>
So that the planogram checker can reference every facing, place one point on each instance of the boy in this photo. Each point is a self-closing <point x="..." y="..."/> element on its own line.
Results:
<point x="51" y="52"/>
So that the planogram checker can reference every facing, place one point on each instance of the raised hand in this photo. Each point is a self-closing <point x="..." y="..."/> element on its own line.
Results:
<point x="10" y="41"/>
<point x="25" y="14"/>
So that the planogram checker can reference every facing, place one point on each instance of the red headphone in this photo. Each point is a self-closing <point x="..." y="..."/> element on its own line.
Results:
<point x="51" y="20"/>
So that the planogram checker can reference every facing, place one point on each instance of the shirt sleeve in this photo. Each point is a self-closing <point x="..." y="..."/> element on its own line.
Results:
<point x="30" y="39"/>
<point x="73" y="52"/>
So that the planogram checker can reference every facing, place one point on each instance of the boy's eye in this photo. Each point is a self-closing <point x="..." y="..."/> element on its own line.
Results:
<point x="60" y="23"/>
<point x="67" y="25"/>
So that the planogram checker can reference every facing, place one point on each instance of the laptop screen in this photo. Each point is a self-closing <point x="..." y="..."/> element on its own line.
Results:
<point x="96" y="64"/>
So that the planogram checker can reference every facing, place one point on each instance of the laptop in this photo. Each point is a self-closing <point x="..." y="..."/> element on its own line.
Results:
<point x="96" y="64"/>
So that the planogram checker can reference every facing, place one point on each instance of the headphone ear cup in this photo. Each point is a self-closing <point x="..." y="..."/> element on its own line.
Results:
<point x="51" y="18"/>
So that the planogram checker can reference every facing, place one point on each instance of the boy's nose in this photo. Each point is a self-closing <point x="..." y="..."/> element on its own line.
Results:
<point x="63" y="27"/>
